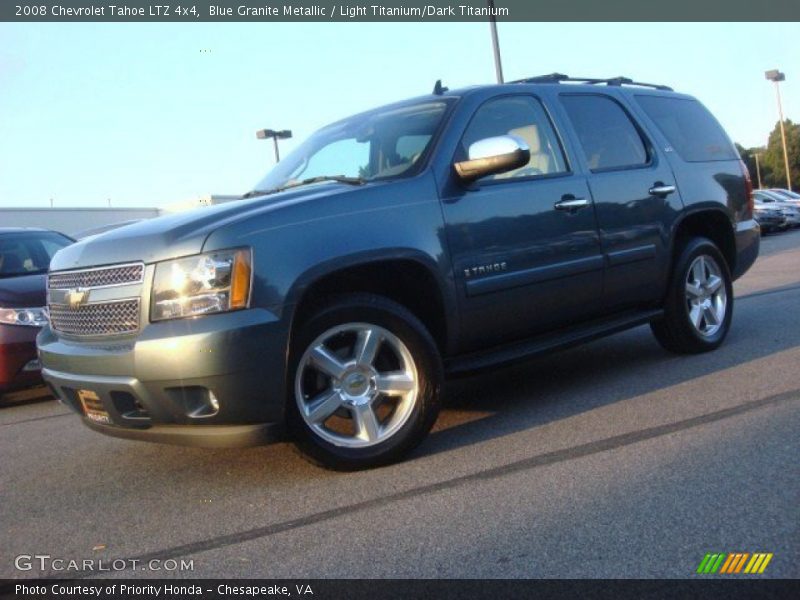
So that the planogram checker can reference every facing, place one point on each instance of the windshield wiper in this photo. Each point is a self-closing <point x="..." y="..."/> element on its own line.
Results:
<point x="310" y="180"/>
<point x="338" y="178"/>
<point x="254" y="193"/>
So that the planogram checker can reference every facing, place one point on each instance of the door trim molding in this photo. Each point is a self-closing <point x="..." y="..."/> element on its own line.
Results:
<point x="507" y="280"/>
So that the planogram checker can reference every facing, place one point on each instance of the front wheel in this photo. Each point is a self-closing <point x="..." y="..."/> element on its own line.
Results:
<point x="366" y="378"/>
<point x="699" y="303"/>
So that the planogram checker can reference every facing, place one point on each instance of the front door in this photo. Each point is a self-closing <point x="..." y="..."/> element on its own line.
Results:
<point x="524" y="244"/>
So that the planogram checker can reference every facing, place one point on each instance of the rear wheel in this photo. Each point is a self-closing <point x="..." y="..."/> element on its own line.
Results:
<point x="699" y="303"/>
<point x="366" y="377"/>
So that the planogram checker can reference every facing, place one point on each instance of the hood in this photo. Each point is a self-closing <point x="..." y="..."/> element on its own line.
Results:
<point x="23" y="291"/>
<point x="179" y="234"/>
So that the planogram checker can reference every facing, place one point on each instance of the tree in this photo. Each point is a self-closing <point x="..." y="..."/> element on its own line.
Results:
<point x="773" y="157"/>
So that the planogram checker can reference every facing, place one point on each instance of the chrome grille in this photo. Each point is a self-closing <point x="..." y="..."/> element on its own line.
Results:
<point x="99" y="277"/>
<point x="102" y="318"/>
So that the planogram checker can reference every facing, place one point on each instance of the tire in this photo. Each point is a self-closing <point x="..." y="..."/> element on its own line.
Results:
<point x="699" y="304"/>
<point x="332" y="392"/>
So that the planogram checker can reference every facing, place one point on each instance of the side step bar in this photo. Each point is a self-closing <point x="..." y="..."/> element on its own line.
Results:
<point x="503" y="355"/>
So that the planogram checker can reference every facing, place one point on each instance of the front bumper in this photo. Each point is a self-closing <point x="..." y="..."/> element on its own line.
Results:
<point x="748" y="242"/>
<point x="17" y="353"/>
<point x="213" y="381"/>
<point x="771" y="222"/>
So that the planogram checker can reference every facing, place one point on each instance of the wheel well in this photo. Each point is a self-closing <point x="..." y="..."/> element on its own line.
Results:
<point x="407" y="282"/>
<point x="711" y="224"/>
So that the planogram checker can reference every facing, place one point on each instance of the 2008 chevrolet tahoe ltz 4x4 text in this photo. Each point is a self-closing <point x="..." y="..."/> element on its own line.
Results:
<point x="439" y="235"/>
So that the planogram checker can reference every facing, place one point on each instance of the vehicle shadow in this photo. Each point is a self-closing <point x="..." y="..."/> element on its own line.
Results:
<point x="34" y="395"/>
<point x="533" y="393"/>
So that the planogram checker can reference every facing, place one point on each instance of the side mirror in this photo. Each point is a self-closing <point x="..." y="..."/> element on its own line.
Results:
<point x="493" y="155"/>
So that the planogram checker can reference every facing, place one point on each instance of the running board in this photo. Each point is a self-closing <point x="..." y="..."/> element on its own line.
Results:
<point x="574" y="336"/>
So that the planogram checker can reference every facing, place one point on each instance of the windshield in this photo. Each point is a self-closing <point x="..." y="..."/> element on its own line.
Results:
<point x="28" y="252"/>
<point x="381" y="144"/>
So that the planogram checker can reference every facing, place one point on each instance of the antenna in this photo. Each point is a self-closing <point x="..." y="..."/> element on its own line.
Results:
<point x="438" y="89"/>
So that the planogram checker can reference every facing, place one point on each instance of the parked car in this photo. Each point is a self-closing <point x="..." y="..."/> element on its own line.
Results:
<point x="24" y="258"/>
<point x="769" y="217"/>
<point x="792" y="214"/>
<point x="453" y="232"/>
<point x="788" y="209"/>
<point x="788" y="195"/>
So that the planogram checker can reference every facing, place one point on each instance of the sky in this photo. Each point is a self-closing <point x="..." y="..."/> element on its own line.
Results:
<point x="151" y="114"/>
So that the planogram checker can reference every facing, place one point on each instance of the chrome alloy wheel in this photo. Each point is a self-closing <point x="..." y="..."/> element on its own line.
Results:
<point x="706" y="296"/>
<point x="356" y="385"/>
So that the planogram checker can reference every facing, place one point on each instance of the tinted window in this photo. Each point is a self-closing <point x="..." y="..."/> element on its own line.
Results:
<point x="409" y="147"/>
<point x="25" y="253"/>
<point x="524" y="117"/>
<point x="608" y="137"/>
<point x="766" y="196"/>
<point x="690" y="129"/>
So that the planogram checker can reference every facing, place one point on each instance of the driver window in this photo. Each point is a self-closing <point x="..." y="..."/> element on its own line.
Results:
<point x="523" y="117"/>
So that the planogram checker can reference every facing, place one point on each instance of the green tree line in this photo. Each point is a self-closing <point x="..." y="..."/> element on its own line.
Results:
<point x="770" y="158"/>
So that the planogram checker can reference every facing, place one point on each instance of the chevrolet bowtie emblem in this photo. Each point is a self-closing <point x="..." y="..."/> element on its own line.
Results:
<point x="77" y="297"/>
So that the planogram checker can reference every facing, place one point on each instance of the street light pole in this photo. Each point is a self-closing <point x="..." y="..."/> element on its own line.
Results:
<point x="758" y="169"/>
<point x="498" y="65"/>
<point x="776" y="77"/>
<point x="277" y="152"/>
<point x="264" y="134"/>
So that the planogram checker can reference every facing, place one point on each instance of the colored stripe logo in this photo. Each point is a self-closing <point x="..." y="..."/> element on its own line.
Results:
<point x="734" y="562"/>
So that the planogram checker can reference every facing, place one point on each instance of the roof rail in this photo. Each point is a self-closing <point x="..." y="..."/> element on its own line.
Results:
<point x="616" y="81"/>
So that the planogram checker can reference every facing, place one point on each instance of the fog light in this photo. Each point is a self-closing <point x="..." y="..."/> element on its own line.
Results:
<point x="33" y="365"/>
<point x="196" y="401"/>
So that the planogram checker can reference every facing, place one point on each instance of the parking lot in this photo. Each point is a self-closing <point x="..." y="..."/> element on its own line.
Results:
<point x="615" y="459"/>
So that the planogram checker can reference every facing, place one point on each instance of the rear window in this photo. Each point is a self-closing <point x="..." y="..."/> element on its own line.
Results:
<point x="608" y="137"/>
<point x="690" y="129"/>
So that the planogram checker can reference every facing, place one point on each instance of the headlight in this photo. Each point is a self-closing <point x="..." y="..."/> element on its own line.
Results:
<point x="33" y="317"/>
<point x="199" y="285"/>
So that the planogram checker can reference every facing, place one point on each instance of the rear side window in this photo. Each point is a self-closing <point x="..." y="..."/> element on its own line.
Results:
<point x="608" y="137"/>
<point x="690" y="129"/>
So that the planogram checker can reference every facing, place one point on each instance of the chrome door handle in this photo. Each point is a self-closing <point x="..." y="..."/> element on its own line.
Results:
<point x="571" y="203"/>
<point x="661" y="190"/>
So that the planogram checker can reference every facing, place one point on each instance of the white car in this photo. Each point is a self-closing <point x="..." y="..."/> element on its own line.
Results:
<point x="789" y="209"/>
<point x="786" y="195"/>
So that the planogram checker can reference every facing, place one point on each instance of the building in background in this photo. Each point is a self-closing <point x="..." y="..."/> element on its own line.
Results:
<point x="75" y="220"/>
<point x="71" y="220"/>
<point x="198" y="202"/>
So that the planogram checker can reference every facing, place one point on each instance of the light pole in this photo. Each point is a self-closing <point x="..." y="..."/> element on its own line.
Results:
<point x="264" y="134"/>
<point x="498" y="66"/>
<point x="758" y="169"/>
<point x="776" y="76"/>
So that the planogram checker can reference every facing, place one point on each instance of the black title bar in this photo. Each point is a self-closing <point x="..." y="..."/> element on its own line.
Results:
<point x="199" y="11"/>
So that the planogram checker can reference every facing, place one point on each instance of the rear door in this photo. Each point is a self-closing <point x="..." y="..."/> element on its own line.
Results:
<point x="699" y="150"/>
<point x="635" y="196"/>
<point x="522" y="265"/>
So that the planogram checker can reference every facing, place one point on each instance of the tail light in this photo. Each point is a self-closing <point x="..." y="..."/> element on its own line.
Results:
<point x="748" y="189"/>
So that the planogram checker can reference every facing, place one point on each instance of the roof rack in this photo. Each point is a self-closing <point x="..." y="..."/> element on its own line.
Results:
<point x="616" y="81"/>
